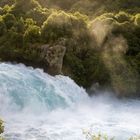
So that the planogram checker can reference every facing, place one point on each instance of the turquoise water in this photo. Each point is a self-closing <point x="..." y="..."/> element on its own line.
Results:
<point x="37" y="106"/>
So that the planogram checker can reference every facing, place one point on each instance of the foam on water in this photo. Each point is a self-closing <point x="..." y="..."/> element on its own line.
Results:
<point x="37" y="106"/>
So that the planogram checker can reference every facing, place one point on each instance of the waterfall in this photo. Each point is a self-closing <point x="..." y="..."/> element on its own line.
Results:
<point x="37" y="106"/>
<point x="22" y="88"/>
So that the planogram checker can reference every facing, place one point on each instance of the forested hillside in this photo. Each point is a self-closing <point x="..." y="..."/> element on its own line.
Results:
<point x="95" y="42"/>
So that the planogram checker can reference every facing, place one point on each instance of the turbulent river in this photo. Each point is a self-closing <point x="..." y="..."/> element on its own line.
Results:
<point x="37" y="106"/>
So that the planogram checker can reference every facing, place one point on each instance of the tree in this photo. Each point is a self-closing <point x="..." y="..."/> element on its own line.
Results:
<point x="62" y="25"/>
<point x="123" y="17"/>
<point x="1" y="127"/>
<point x="63" y="4"/>
<point x="137" y="19"/>
<point x="2" y="27"/>
<point x="58" y="25"/>
<point x="9" y="20"/>
<point x="32" y="34"/>
<point x="29" y="22"/>
<point x="6" y="2"/>
<point x="39" y="15"/>
<point x="21" y="7"/>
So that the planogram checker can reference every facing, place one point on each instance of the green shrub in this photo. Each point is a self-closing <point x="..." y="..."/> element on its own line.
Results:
<point x="123" y="17"/>
<point x="9" y="20"/>
<point x="32" y="34"/>
<point x="63" y="4"/>
<point x="90" y="136"/>
<point x="6" y="2"/>
<point x="38" y="14"/>
<point x="6" y="9"/>
<point x="1" y="127"/>
<point x="2" y="27"/>
<point x="29" y="22"/>
<point x="137" y="19"/>
<point x="58" y="25"/>
<point x="62" y="25"/>
<point x="21" y="7"/>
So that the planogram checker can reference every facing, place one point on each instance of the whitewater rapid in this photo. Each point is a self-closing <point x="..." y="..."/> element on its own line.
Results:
<point x="37" y="106"/>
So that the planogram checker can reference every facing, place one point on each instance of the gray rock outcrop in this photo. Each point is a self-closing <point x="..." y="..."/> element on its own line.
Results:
<point x="53" y="55"/>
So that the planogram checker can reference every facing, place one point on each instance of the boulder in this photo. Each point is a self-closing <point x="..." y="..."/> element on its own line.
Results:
<point x="53" y="56"/>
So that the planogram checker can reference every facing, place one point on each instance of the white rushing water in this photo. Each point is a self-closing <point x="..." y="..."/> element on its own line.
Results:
<point x="37" y="106"/>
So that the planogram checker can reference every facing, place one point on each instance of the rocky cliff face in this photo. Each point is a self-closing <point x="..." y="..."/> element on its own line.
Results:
<point x="47" y="57"/>
<point x="53" y="56"/>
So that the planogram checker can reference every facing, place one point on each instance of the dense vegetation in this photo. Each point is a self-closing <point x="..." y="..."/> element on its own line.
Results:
<point x="101" y="37"/>
<point x="90" y="136"/>
<point x="105" y="137"/>
<point x="1" y="129"/>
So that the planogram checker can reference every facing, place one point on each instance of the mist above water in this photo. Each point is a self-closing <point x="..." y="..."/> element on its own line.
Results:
<point x="37" y="106"/>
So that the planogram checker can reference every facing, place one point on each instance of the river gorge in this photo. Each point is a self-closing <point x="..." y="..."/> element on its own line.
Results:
<point x="37" y="106"/>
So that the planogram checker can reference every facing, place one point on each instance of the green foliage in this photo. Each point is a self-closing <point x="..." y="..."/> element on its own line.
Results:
<point x="2" y="27"/>
<point x="32" y="34"/>
<point x="94" y="7"/>
<point x="88" y="7"/>
<point x="6" y="9"/>
<point x="58" y="25"/>
<point x="91" y="136"/>
<point x="9" y="20"/>
<point x="137" y="19"/>
<point x="29" y="22"/>
<point x="6" y="2"/>
<point x="21" y="7"/>
<point x="75" y="68"/>
<point x="97" y="73"/>
<point x="128" y="4"/>
<point x="39" y="15"/>
<point x="20" y="26"/>
<point x="123" y="17"/>
<point x="135" y="138"/>
<point x="62" y="25"/>
<point x="63" y="4"/>
<point x="1" y="127"/>
<point x="81" y="16"/>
